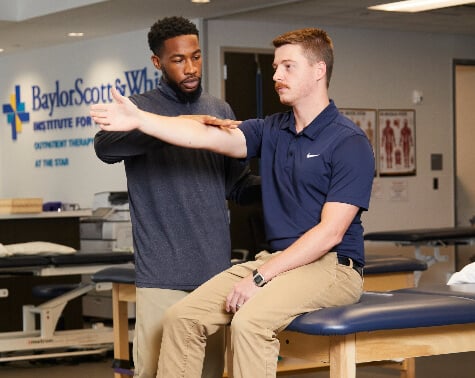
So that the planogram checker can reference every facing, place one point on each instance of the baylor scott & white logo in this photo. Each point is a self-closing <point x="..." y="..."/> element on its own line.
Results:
<point x="15" y="111"/>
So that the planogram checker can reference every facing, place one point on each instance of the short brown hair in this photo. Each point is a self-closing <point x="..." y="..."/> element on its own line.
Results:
<point x="316" y="44"/>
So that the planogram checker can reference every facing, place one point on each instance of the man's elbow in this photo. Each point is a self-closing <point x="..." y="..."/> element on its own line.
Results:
<point x="104" y="156"/>
<point x="336" y="237"/>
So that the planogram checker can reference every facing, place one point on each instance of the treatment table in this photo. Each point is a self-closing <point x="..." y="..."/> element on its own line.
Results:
<point x="384" y="326"/>
<point x="381" y="273"/>
<point x="429" y="237"/>
<point x="27" y="343"/>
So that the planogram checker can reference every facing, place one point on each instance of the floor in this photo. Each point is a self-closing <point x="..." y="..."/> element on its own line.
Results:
<point x="450" y="366"/>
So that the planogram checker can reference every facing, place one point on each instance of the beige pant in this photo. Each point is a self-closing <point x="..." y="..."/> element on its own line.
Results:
<point x="151" y="305"/>
<point x="187" y="324"/>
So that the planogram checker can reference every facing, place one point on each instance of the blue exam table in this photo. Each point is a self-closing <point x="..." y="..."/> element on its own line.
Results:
<point x="381" y="273"/>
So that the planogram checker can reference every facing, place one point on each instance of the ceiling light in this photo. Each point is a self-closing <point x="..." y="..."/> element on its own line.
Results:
<point x="418" y="5"/>
<point x="1" y="50"/>
<point x="75" y="34"/>
<point x="200" y="1"/>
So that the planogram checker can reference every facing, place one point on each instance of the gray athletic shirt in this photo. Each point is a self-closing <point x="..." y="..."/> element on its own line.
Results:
<point x="177" y="196"/>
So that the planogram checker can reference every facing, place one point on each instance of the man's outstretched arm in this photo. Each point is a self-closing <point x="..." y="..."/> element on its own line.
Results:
<point x="198" y="132"/>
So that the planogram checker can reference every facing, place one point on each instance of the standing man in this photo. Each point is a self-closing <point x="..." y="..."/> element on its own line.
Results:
<point x="177" y="196"/>
<point x="317" y="170"/>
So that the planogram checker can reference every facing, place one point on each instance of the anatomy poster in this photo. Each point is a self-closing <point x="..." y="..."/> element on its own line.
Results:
<point x="366" y="119"/>
<point x="397" y="142"/>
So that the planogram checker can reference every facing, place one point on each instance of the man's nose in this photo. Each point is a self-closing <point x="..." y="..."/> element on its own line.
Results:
<point x="277" y="76"/>
<point x="190" y="67"/>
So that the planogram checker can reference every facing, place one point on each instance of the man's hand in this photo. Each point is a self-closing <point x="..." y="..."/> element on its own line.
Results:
<point x="122" y="115"/>
<point x="213" y="121"/>
<point x="242" y="291"/>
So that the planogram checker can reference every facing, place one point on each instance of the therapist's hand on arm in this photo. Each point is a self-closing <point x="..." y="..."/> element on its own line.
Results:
<point x="212" y="121"/>
<point x="190" y="132"/>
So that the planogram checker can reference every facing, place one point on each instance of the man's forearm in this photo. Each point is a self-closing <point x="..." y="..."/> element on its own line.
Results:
<point x="316" y="242"/>
<point x="112" y="147"/>
<point x="190" y="133"/>
<point x="123" y="115"/>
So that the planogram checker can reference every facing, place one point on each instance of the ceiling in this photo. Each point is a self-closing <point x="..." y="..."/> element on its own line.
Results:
<point x="29" y="24"/>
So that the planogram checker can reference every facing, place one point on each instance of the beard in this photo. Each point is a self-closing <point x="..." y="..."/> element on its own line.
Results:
<point x="182" y="96"/>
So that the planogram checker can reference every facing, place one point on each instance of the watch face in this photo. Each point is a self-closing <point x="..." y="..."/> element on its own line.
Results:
<point x="258" y="279"/>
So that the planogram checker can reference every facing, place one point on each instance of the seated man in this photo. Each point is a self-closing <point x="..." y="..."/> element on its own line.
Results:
<point x="317" y="169"/>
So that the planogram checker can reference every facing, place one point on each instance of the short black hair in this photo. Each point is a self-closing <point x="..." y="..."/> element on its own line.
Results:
<point x="169" y="27"/>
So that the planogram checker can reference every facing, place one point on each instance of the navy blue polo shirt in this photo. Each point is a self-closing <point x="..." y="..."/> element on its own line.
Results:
<point x="331" y="160"/>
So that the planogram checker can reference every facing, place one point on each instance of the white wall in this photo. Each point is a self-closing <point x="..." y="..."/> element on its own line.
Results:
<point x="98" y="62"/>
<point x="380" y="70"/>
<point x="373" y="69"/>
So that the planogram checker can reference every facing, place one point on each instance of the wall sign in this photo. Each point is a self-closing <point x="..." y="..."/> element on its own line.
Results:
<point x="37" y="106"/>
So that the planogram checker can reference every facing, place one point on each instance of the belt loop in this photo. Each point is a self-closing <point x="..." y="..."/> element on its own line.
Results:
<point x="351" y="262"/>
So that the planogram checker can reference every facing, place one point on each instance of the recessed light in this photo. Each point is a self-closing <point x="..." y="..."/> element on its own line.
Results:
<point x="75" y="34"/>
<point x="200" y="1"/>
<point x="413" y="6"/>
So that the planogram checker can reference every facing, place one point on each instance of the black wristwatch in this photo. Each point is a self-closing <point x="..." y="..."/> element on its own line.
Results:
<point x="258" y="278"/>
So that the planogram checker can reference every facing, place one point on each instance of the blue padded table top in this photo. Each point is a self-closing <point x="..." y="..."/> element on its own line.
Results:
<point x="388" y="310"/>
<point x="391" y="264"/>
<point x="82" y="258"/>
<point x="465" y="290"/>
<point x="115" y="274"/>
<point x="23" y="261"/>
<point x="445" y="234"/>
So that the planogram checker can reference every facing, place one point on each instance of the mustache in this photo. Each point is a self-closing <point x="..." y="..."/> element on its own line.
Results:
<point x="278" y="86"/>
<point x="191" y="78"/>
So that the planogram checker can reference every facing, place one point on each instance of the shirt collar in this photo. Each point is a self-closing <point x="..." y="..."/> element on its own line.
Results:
<point x="320" y="122"/>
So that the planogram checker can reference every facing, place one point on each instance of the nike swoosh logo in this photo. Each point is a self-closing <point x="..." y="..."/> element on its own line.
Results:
<point x="309" y="155"/>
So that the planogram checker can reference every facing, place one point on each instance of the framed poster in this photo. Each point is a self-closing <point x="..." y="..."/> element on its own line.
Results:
<point x="397" y="142"/>
<point x="366" y="119"/>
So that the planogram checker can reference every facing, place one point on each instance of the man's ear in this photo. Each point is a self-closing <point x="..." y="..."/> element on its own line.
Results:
<point x="156" y="62"/>
<point x="321" y="70"/>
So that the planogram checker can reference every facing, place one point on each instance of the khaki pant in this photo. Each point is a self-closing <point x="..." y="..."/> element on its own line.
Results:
<point x="188" y="323"/>
<point x="151" y="305"/>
